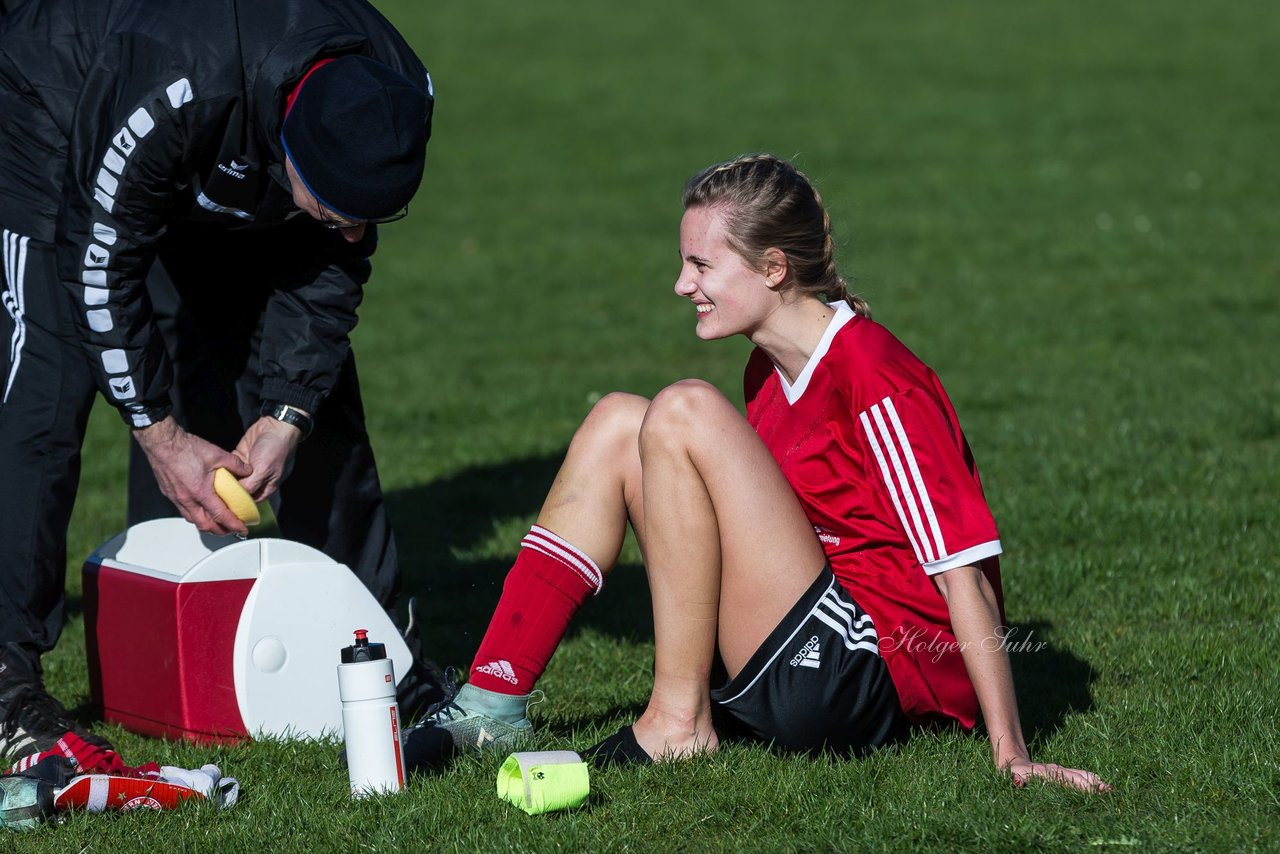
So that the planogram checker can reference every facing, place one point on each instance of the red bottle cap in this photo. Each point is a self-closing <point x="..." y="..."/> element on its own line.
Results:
<point x="363" y="650"/>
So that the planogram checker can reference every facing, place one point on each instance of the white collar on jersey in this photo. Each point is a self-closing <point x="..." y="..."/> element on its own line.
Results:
<point x="842" y="316"/>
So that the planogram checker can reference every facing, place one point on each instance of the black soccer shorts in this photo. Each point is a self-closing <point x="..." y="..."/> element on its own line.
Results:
<point x="817" y="683"/>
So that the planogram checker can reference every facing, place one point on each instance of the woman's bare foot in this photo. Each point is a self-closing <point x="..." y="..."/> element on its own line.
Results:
<point x="667" y="737"/>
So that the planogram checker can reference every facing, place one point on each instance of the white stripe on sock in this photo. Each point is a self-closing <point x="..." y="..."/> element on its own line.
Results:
<point x="588" y="565"/>
<point x="542" y="540"/>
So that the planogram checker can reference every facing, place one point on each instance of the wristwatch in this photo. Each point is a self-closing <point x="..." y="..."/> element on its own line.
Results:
<point x="289" y="415"/>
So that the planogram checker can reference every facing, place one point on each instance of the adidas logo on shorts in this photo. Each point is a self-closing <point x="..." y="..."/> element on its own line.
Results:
<point x="808" y="654"/>
<point x="501" y="669"/>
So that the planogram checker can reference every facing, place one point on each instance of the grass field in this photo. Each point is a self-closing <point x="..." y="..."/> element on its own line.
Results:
<point x="1069" y="210"/>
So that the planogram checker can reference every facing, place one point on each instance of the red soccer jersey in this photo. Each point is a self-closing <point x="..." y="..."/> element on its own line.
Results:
<point x="869" y="441"/>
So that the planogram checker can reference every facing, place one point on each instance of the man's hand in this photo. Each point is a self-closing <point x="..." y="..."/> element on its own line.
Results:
<point x="268" y="445"/>
<point x="184" y="464"/>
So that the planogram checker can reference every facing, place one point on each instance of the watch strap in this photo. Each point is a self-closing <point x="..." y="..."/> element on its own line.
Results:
<point x="289" y="415"/>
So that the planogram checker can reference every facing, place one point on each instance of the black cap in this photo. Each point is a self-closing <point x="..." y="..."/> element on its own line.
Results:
<point x="362" y="650"/>
<point x="357" y="135"/>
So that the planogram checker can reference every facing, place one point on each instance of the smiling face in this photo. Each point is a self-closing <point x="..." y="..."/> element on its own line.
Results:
<point x="730" y="297"/>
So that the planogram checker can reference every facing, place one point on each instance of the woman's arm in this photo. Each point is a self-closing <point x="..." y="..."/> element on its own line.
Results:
<point x="975" y="620"/>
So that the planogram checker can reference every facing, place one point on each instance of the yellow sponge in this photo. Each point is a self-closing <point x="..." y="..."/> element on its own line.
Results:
<point x="235" y="496"/>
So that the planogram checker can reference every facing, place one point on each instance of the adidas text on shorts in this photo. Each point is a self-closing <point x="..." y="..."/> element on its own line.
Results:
<point x="817" y="682"/>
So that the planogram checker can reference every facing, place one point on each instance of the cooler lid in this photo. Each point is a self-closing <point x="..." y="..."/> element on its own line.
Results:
<point x="297" y="618"/>
<point x="164" y="548"/>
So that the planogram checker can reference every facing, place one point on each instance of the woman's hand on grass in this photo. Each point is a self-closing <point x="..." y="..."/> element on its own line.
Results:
<point x="1023" y="770"/>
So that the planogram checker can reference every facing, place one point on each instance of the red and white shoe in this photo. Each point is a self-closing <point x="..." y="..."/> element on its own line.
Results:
<point x="102" y="792"/>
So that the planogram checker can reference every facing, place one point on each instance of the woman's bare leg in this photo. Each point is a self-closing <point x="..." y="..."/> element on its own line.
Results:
<point x="728" y="551"/>
<point x="597" y="488"/>
<point x="560" y="563"/>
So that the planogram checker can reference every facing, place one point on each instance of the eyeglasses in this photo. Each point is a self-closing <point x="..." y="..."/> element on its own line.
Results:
<point x="329" y="219"/>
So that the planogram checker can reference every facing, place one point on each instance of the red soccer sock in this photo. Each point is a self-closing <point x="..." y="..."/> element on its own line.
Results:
<point x="547" y="584"/>
<point x="88" y="759"/>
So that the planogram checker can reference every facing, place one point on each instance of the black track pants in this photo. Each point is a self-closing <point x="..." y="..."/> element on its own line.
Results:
<point x="46" y="393"/>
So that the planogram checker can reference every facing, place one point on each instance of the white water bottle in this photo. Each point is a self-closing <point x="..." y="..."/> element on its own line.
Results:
<point x="370" y="718"/>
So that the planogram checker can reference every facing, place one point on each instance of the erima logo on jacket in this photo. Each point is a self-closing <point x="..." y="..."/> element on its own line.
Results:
<point x="231" y="189"/>
<point x="235" y="169"/>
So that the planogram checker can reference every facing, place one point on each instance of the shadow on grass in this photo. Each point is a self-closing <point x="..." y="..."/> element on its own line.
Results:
<point x="435" y="522"/>
<point x="1051" y="682"/>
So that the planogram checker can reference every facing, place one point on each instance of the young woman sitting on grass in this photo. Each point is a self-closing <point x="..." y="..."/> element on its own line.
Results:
<point x="824" y="573"/>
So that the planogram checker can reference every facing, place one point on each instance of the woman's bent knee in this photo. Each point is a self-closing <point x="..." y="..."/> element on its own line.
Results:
<point x="616" y="416"/>
<point x="684" y="409"/>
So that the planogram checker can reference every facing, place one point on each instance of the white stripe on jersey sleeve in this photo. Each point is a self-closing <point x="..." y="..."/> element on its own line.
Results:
<point x="924" y="548"/>
<point x="888" y="482"/>
<point x="921" y="490"/>
<point x="964" y="558"/>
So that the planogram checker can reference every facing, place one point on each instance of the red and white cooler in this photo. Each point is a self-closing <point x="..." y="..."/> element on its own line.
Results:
<point x="215" y="639"/>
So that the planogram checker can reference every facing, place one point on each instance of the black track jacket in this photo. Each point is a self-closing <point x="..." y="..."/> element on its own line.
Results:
<point x="121" y="116"/>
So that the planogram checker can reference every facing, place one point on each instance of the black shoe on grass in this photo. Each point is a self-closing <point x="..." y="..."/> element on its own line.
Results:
<point x="30" y="720"/>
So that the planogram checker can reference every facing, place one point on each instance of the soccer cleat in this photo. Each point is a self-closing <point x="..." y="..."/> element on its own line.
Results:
<point x="24" y="802"/>
<point x="30" y="719"/>
<point x="468" y="720"/>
